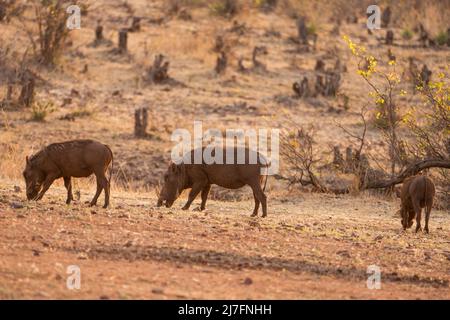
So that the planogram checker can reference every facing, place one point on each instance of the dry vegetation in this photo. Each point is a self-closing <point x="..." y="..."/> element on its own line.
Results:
<point x="139" y="69"/>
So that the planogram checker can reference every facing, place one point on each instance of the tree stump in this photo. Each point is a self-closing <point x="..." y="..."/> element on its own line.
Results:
<point x="332" y="84"/>
<point x="158" y="72"/>
<point x="389" y="37"/>
<point x="319" y="87"/>
<point x="135" y="25"/>
<point x="257" y="51"/>
<point x="448" y="37"/>
<point x="99" y="34"/>
<point x="27" y="92"/>
<point x="425" y="75"/>
<point x="123" y="40"/>
<point x="423" y="36"/>
<point x="349" y="160"/>
<point x="140" y="122"/>
<point x="221" y="63"/>
<point x="338" y="159"/>
<point x="301" y="89"/>
<point x="391" y="56"/>
<point x="219" y="44"/>
<point x="302" y="31"/>
<point x="2" y="11"/>
<point x="320" y="65"/>
<point x="386" y="17"/>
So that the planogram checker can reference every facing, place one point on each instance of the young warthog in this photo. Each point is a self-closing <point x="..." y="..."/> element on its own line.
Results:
<point x="200" y="177"/>
<point x="417" y="192"/>
<point x="77" y="158"/>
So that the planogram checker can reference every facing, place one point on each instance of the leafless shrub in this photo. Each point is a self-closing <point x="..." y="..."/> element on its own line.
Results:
<point x="158" y="72"/>
<point x="10" y="9"/>
<point x="50" y="17"/>
<point x="297" y="147"/>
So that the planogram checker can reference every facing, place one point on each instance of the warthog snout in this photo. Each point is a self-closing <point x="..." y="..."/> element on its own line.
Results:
<point x="162" y="202"/>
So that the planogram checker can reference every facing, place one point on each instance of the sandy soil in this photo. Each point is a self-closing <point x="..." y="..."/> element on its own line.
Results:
<point x="310" y="246"/>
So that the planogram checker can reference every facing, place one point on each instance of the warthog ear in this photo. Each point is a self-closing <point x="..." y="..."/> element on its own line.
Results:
<point x="176" y="168"/>
<point x="27" y="160"/>
<point x="173" y="167"/>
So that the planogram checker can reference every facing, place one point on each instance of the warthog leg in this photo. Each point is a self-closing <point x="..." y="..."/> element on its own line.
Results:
<point x="102" y="184"/>
<point x="259" y="195"/>
<point x="418" y="211"/>
<point x="255" y="211"/>
<point x="196" y="188"/>
<point x="68" y="185"/>
<point x="427" y="214"/>
<point x="204" y="195"/>
<point x="45" y="185"/>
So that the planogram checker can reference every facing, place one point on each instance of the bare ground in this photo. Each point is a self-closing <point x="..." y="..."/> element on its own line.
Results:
<point x="312" y="247"/>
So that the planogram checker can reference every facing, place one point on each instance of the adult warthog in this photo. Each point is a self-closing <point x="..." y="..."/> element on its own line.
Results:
<point x="417" y="192"/>
<point x="200" y="176"/>
<point x="77" y="158"/>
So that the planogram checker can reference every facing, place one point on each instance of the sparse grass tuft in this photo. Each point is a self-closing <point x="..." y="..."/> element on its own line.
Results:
<point x="224" y="7"/>
<point x="407" y="34"/>
<point x="40" y="110"/>
<point x="442" y="38"/>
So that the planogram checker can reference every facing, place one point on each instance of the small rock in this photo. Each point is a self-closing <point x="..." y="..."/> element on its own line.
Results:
<point x="377" y="238"/>
<point x="344" y="253"/>
<point x="157" y="291"/>
<point x="17" y="205"/>
<point x="128" y="244"/>
<point x="82" y="256"/>
<point x="104" y="297"/>
<point x="36" y="253"/>
<point x="248" y="281"/>
<point x="17" y="189"/>
<point x="93" y="212"/>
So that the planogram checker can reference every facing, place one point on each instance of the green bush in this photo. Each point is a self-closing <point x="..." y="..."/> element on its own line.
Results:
<point x="311" y="29"/>
<point x="442" y="38"/>
<point x="407" y="34"/>
<point x="40" y="110"/>
<point x="224" y="7"/>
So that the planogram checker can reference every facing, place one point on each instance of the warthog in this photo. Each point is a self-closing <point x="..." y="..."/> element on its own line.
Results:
<point x="200" y="177"/>
<point x="77" y="158"/>
<point x="417" y="192"/>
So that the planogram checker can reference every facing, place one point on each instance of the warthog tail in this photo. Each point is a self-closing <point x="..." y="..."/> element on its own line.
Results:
<point x="265" y="183"/>
<point x="112" y="164"/>
<point x="266" y="165"/>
